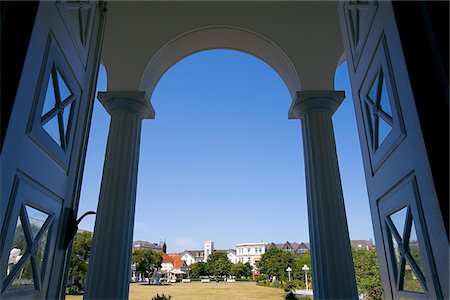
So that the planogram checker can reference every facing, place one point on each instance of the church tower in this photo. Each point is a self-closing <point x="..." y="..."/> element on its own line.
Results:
<point x="209" y="249"/>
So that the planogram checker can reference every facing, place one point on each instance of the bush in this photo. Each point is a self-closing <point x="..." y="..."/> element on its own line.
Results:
<point x="290" y="296"/>
<point x="243" y="279"/>
<point x="261" y="278"/>
<point x="162" y="297"/>
<point x="74" y="290"/>
<point x="292" y="285"/>
<point x="195" y="279"/>
<point x="276" y="284"/>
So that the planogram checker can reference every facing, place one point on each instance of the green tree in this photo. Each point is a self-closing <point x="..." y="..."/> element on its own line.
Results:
<point x="241" y="270"/>
<point x="298" y="273"/>
<point x="275" y="262"/>
<point x="79" y="260"/>
<point x="368" y="273"/>
<point x="218" y="264"/>
<point x="197" y="269"/>
<point x="147" y="261"/>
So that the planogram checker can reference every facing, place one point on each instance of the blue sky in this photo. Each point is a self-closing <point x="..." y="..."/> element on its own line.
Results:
<point x="221" y="161"/>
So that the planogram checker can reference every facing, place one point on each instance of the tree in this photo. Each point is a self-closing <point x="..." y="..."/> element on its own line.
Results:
<point x="367" y="273"/>
<point x="275" y="262"/>
<point x="79" y="260"/>
<point x="218" y="264"/>
<point x="298" y="273"/>
<point x="147" y="261"/>
<point x="241" y="270"/>
<point x="197" y="269"/>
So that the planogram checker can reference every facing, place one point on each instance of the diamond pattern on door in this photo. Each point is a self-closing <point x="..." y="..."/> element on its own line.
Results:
<point x="406" y="251"/>
<point x="379" y="109"/>
<point x="28" y="250"/>
<point x="36" y="218"/>
<point x="358" y="12"/>
<point x="398" y="219"/>
<point x="359" y="15"/>
<point x="57" y="109"/>
<point x="81" y="14"/>
<point x="78" y="17"/>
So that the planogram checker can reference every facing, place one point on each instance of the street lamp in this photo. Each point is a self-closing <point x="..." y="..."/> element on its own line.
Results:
<point x="305" y="268"/>
<point x="289" y="272"/>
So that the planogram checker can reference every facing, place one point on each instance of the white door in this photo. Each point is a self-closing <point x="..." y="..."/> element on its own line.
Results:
<point x="410" y="236"/>
<point x="44" y="148"/>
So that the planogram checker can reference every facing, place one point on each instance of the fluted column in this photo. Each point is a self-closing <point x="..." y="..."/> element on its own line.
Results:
<point x="110" y="259"/>
<point x="331" y="255"/>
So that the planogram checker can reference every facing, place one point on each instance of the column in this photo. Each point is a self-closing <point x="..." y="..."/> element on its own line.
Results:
<point x="110" y="259"/>
<point x="331" y="255"/>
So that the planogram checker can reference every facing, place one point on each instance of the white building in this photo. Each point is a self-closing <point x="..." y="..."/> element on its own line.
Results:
<point x="193" y="256"/>
<point x="231" y="254"/>
<point x="250" y="252"/>
<point x="209" y="249"/>
<point x="244" y="252"/>
<point x="172" y="265"/>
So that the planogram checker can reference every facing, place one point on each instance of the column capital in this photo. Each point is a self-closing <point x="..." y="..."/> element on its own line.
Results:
<point x="132" y="101"/>
<point x="307" y="101"/>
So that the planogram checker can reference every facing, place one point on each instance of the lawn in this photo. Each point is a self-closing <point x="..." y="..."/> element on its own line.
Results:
<point x="203" y="291"/>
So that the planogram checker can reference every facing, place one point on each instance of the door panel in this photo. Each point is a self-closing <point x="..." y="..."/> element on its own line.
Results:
<point x="44" y="148"/>
<point x="407" y="243"/>
<point x="398" y="175"/>
<point x="31" y="241"/>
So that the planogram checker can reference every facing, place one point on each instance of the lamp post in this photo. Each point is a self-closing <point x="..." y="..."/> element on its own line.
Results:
<point x="289" y="272"/>
<point x="305" y="268"/>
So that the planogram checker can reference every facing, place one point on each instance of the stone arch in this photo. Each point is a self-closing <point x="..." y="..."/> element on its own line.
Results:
<point x="219" y="37"/>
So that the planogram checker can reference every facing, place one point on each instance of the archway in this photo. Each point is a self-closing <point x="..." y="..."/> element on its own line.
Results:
<point x="318" y="105"/>
<point x="314" y="107"/>
<point x="219" y="37"/>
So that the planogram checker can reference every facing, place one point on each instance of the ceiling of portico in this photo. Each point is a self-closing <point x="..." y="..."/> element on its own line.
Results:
<point x="300" y="40"/>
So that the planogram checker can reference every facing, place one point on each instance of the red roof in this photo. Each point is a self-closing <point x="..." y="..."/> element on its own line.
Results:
<point x="167" y="258"/>
<point x="177" y="261"/>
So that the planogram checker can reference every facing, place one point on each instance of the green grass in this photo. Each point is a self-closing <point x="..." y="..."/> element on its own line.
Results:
<point x="203" y="291"/>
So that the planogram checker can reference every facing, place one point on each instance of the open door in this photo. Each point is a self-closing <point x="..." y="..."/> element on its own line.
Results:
<point x="44" y="148"/>
<point x="410" y="235"/>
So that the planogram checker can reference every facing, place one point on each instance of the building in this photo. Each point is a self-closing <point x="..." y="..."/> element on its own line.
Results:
<point x="250" y="252"/>
<point x="193" y="256"/>
<point x="161" y="247"/>
<point x="209" y="249"/>
<point x="397" y="58"/>
<point x="232" y="256"/>
<point x="173" y="266"/>
<point x="295" y="248"/>
<point x="362" y="244"/>
<point x="301" y="248"/>
<point x="140" y="245"/>
<point x="244" y="252"/>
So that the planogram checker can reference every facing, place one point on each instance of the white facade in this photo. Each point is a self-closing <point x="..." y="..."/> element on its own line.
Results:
<point x="192" y="256"/>
<point x="188" y="258"/>
<point x="232" y="256"/>
<point x="209" y="249"/>
<point x="250" y="252"/>
<point x="166" y="266"/>
<point x="244" y="252"/>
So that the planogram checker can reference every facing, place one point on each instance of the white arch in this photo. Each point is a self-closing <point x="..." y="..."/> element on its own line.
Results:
<point x="219" y="37"/>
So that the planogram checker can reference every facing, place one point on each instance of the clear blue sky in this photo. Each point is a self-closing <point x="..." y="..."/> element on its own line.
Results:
<point x="222" y="162"/>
